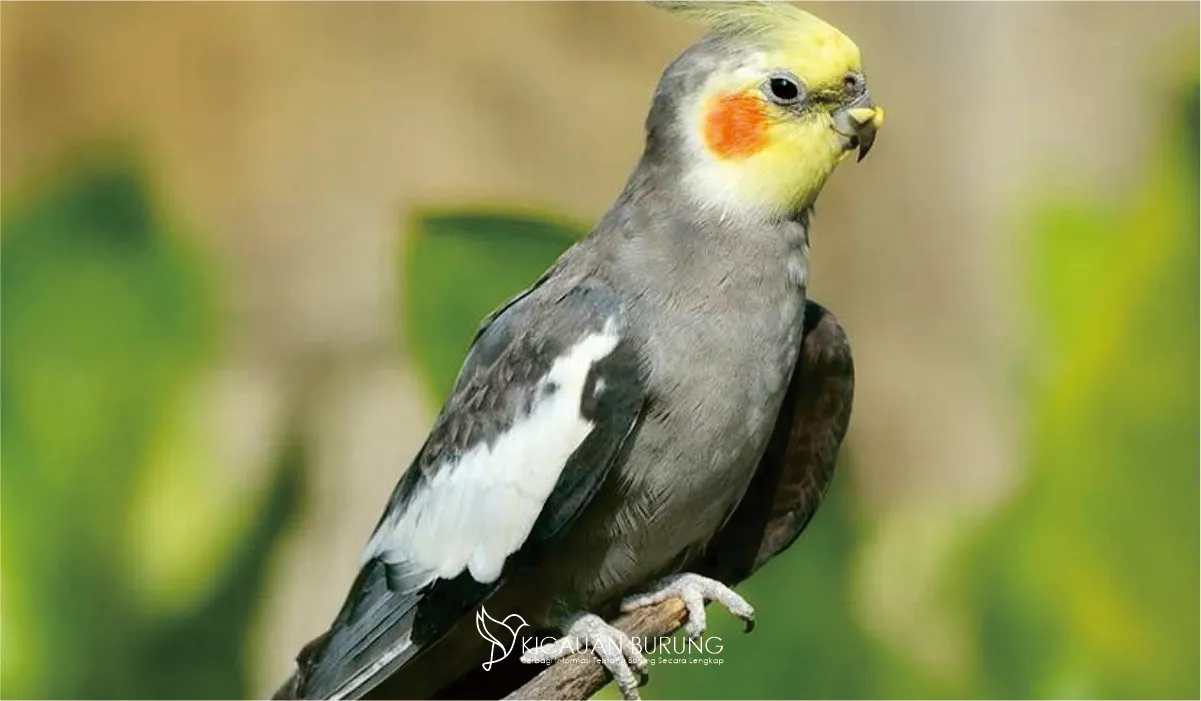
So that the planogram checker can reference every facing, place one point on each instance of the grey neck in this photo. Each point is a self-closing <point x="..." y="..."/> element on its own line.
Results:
<point x="657" y="241"/>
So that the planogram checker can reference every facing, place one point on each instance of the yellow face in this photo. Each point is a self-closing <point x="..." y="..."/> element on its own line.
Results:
<point x="772" y="130"/>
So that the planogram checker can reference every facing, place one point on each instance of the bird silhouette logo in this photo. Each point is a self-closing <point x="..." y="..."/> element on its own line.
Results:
<point x="485" y="624"/>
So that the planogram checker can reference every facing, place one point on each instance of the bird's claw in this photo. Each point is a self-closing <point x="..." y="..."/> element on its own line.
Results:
<point x="694" y="590"/>
<point x="615" y="650"/>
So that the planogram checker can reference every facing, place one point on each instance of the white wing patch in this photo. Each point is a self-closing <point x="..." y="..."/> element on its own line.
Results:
<point x="474" y="513"/>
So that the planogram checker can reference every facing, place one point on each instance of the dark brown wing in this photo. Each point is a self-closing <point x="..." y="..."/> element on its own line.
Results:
<point x="799" y="462"/>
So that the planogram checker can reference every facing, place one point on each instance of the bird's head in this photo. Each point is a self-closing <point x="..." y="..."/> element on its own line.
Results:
<point x="760" y="112"/>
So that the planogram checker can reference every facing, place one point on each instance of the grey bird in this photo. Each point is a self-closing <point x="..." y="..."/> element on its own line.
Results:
<point x="642" y="408"/>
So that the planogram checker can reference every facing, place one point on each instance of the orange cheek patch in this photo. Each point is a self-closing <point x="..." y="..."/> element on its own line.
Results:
<point x="736" y="127"/>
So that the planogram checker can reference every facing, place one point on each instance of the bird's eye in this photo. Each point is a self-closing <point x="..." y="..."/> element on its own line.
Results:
<point x="784" y="89"/>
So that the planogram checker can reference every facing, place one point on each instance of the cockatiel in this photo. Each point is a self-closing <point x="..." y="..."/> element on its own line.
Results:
<point x="607" y="422"/>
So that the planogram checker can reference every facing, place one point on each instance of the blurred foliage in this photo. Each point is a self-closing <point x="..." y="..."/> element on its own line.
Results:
<point x="457" y="268"/>
<point x="115" y="579"/>
<point x="1085" y="585"/>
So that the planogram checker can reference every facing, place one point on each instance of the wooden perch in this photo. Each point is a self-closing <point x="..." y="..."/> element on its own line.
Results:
<point x="581" y="675"/>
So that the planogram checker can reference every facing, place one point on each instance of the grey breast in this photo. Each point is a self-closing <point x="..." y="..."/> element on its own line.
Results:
<point x="720" y="317"/>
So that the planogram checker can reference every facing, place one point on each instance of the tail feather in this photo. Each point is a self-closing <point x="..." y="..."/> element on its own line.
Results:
<point x="370" y="639"/>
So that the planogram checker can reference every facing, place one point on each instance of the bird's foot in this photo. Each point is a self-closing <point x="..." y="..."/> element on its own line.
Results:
<point x="616" y="650"/>
<point x="694" y="590"/>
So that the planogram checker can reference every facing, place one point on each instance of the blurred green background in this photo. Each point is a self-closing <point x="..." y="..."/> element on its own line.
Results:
<point x="240" y="263"/>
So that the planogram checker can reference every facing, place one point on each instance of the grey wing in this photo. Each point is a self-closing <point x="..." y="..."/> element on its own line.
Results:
<point x="798" y="465"/>
<point x="546" y="398"/>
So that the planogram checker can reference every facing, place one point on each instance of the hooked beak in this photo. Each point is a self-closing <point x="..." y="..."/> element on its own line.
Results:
<point x="859" y="122"/>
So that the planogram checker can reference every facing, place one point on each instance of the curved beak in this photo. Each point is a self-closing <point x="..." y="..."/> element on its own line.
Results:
<point x="859" y="121"/>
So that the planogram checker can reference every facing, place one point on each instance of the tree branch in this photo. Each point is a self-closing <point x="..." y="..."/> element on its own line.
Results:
<point x="580" y="675"/>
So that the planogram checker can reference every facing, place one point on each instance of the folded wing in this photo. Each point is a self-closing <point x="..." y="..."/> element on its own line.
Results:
<point x="550" y="390"/>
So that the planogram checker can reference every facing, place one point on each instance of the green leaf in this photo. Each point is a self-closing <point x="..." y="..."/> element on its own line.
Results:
<point x="106" y="316"/>
<point x="109" y="317"/>
<point x="460" y="266"/>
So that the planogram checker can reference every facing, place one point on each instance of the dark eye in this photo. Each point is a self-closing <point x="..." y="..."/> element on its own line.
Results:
<point x="784" y="89"/>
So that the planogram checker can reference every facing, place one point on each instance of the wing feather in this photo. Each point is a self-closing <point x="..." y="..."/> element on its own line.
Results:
<point x="550" y="390"/>
<point x="798" y="466"/>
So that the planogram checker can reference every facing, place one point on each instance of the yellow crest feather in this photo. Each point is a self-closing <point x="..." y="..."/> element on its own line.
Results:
<point x="815" y="49"/>
<point x="747" y="18"/>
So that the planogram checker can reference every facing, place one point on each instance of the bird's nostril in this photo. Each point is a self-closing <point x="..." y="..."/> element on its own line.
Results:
<point x="853" y="82"/>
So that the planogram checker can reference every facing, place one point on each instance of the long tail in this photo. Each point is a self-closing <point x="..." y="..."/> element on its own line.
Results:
<point x="369" y="640"/>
